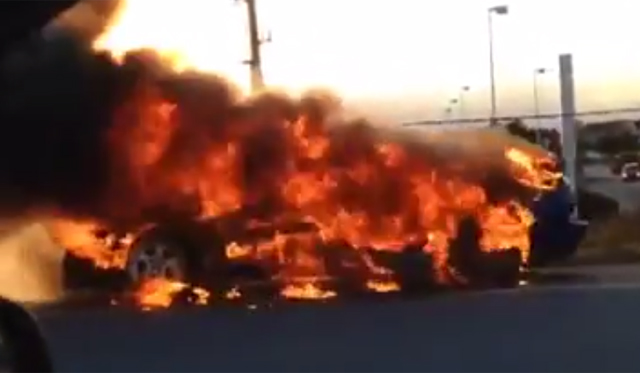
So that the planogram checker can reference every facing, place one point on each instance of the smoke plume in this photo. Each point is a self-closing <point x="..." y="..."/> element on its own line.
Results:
<point x="70" y="125"/>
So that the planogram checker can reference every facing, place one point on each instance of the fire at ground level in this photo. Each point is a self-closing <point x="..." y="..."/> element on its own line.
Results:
<point x="346" y="273"/>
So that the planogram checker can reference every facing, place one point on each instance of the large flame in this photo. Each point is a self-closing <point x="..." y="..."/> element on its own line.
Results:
<point x="296" y="160"/>
<point x="177" y="32"/>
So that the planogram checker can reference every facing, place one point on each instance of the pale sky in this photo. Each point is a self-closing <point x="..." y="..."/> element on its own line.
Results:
<point x="413" y="55"/>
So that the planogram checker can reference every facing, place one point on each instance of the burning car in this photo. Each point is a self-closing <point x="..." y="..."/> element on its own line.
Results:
<point x="195" y="183"/>
<point x="251" y="250"/>
<point x="287" y="193"/>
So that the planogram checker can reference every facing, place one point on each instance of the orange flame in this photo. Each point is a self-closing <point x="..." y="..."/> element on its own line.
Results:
<point x="383" y="286"/>
<point x="348" y="181"/>
<point x="160" y="293"/>
<point x="307" y="290"/>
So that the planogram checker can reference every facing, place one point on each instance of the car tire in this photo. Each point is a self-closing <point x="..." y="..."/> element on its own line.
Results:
<point x="160" y="253"/>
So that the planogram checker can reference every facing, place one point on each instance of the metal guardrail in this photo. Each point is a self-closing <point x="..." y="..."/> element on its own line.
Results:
<point x="632" y="110"/>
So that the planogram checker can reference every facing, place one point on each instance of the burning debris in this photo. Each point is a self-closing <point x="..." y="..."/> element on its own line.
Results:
<point x="161" y="293"/>
<point x="286" y="188"/>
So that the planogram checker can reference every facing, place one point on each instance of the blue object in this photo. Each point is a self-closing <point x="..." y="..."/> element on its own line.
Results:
<point x="557" y="233"/>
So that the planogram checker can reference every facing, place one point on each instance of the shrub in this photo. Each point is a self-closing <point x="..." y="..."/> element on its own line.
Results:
<point x="595" y="206"/>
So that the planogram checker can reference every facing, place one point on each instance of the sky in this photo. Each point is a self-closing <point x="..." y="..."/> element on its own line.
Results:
<point x="416" y="50"/>
<point x="413" y="56"/>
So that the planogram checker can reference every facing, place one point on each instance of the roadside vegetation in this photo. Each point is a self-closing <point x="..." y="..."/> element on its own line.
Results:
<point x="615" y="239"/>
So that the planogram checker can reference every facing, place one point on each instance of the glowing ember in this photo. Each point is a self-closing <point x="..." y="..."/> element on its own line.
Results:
<point x="234" y="293"/>
<point x="306" y="291"/>
<point x="201" y="296"/>
<point x="160" y="293"/>
<point x="383" y="286"/>
<point x="234" y="250"/>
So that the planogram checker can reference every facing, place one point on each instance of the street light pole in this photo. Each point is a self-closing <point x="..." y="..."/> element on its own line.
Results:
<point x="463" y="90"/>
<point x="536" y="96"/>
<point x="447" y="112"/>
<point x="500" y="10"/>
<point x="452" y="103"/>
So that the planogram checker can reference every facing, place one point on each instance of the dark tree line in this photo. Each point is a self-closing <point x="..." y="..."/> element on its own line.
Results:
<point x="549" y="138"/>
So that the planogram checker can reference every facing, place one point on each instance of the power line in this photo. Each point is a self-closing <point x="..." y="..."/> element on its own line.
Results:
<point x="523" y="117"/>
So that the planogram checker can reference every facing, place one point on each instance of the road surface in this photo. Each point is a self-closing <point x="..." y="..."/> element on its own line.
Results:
<point x="585" y="326"/>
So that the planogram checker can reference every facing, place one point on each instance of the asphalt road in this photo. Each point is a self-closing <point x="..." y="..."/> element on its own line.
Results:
<point x="585" y="326"/>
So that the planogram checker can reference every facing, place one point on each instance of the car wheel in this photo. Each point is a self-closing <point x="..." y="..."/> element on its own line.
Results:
<point x="158" y="256"/>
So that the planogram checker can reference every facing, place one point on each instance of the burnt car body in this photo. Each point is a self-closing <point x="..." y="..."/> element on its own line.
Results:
<point x="197" y="252"/>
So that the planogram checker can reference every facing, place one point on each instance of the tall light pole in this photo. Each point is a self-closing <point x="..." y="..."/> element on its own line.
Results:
<point x="452" y="103"/>
<point x="536" y="97"/>
<point x="464" y="89"/>
<point x="499" y="10"/>
<point x="447" y="112"/>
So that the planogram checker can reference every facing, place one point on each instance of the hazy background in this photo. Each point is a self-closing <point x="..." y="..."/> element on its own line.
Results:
<point x="408" y="57"/>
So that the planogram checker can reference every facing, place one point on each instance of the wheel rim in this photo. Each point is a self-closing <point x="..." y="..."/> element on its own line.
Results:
<point x="156" y="260"/>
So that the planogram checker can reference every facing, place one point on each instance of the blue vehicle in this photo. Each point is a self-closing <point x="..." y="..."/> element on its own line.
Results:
<point x="557" y="232"/>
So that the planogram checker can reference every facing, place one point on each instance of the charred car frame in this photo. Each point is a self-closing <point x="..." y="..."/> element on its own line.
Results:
<point x="194" y="251"/>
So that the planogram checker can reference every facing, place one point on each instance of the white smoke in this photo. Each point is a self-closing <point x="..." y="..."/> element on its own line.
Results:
<point x="30" y="263"/>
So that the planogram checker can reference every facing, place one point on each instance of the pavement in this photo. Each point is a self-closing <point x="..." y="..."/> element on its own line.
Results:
<point x="585" y="324"/>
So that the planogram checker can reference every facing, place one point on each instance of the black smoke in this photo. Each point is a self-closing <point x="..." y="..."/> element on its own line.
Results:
<point x="58" y="100"/>
<point x="55" y="104"/>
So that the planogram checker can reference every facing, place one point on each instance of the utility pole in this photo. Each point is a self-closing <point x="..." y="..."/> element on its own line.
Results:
<point x="464" y="89"/>
<point x="255" y="42"/>
<point x="569" y="130"/>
